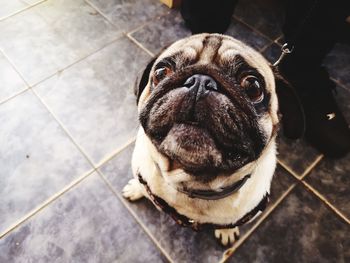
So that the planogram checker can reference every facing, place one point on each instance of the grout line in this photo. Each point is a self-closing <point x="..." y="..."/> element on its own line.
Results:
<point x="72" y="184"/>
<point x="311" y="166"/>
<point x="144" y="228"/>
<point x="277" y="39"/>
<point x="252" y="28"/>
<point x="100" y="12"/>
<point x="65" y="129"/>
<point x="80" y="148"/>
<point x="138" y="28"/>
<point x="120" y="35"/>
<point x="132" y="31"/>
<point x="13" y="96"/>
<point x="21" y="10"/>
<point x="116" y="152"/>
<point x="229" y="252"/>
<point x="59" y="71"/>
<point x="111" y="22"/>
<point x="149" y="21"/>
<point x="307" y="170"/>
<point x="286" y="167"/>
<point x="46" y="203"/>
<point x="313" y="190"/>
<point x="140" y="45"/>
<point x="340" y="83"/>
<point x="264" y="48"/>
<point x="326" y="202"/>
<point x="13" y="65"/>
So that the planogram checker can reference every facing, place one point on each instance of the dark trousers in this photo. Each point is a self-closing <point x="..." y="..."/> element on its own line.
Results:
<point x="311" y="26"/>
<point x="314" y="27"/>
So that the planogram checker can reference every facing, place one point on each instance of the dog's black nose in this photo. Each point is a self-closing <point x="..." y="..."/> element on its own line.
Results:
<point x="201" y="84"/>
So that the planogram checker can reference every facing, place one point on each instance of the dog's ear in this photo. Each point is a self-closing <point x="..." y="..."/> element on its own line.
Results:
<point x="142" y="80"/>
<point x="293" y="118"/>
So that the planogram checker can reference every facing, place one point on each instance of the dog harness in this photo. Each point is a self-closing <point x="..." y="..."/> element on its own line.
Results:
<point x="187" y="222"/>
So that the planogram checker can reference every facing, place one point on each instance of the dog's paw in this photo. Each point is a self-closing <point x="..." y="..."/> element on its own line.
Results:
<point x="132" y="190"/>
<point x="227" y="236"/>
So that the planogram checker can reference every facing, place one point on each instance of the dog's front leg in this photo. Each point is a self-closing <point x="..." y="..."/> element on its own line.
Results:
<point x="227" y="236"/>
<point x="133" y="190"/>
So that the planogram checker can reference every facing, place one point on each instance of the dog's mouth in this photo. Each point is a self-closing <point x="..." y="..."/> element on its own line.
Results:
<point x="191" y="147"/>
<point x="203" y="129"/>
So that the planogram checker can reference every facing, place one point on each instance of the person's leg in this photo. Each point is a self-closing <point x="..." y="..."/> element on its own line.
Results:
<point x="207" y="16"/>
<point x="313" y="27"/>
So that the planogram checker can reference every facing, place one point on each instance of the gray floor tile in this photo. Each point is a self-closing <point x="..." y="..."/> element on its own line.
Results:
<point x="338" y="64"/>
<point x="11" y="82"/>
<point x="10" y="7"/>
<point x="37" y="159"/>
<point x="246" y="35"/>
<point x="281" y="181"/>
<point x="127" y="15"/>
<point x="94" y="99"/>
<point x="331" y="179"/>
<point x="52" y="35"/>
<point x="296" y="154"/>
<point x="86" y="224"/>
<point x="182" y="244"/>
<point x="272" y="53"/>
<point x="264" y="15"/>
<point x="302" y="229"/>
<point x="162" y="32"/>
<point x="118" y="170"/>
<point x="32" y="2"/>
<point x="169" y="28"/>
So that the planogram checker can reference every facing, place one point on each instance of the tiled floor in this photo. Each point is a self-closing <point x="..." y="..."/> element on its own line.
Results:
<point x="68" y="121"/>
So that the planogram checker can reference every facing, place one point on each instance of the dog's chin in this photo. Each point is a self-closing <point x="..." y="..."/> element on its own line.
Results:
<point x="192" y="147"/>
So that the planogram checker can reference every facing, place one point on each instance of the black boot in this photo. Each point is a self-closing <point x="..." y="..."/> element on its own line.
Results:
<point x="313" y="27"/>
<point x="326" y="127"/>
<point x="207" y="16"/>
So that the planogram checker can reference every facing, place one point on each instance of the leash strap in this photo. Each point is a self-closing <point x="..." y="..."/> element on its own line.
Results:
<point x="288" y="48"/>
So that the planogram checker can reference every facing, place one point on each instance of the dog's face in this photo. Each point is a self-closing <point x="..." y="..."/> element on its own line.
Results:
<point x="208" y="103"/>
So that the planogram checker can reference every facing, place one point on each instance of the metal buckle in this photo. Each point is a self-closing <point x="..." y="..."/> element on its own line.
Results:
<point x="286" y="49"/>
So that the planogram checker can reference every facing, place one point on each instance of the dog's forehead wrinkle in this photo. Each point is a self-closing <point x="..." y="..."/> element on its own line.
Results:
<point x="189" y="46"/>
<point x="233" y="46"/>
<point x="197" y="45"/>
<point x="229" y="54"/>
<point x="211" y="45"/>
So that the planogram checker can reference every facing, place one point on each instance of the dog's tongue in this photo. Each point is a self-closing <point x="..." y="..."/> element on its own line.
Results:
<point x="191" y="146"/>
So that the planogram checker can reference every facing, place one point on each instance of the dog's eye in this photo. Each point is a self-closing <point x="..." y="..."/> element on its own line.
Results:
<point x="160" y="74"/>
<point x="253" y="88"/>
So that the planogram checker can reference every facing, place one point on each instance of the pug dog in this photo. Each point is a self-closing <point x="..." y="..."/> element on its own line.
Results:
<point x="205" y="152"/>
